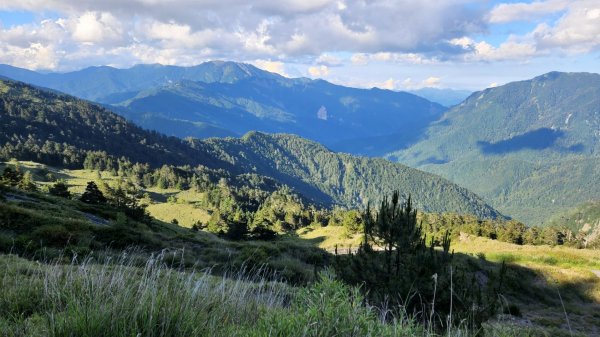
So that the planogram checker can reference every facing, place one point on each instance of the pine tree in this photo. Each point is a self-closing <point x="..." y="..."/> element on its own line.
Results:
<point x="60" y="189"/>
<point x="27" y="182"/>
<point x="92" y="194"/>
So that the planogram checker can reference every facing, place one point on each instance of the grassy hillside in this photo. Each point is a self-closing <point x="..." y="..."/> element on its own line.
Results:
<point x="62" y="131"/>
<point x="530" y="148"/>
<point x="152" y="299"/>
<point x="541" y="277"/>
<point x="39" y="225"/>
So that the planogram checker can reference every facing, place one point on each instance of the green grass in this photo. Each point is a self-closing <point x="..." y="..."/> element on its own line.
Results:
<point x="44" y="225"/>
<point x="537" y="274"/>
<point x="130" y="297"/>
<point x="329" y="237"/>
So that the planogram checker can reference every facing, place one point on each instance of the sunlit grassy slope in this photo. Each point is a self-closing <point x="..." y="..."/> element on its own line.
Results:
<point x="183" y="209"/>
<point x="329" y="237"/>
<point x="540" y="277"/>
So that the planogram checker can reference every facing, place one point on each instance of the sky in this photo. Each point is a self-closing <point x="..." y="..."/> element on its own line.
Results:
<point x="398" y="45"/>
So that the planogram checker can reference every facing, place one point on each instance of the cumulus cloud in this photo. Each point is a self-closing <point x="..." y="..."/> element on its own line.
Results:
<point x="483" y="51"/>
<point x="311" y="32"/>
<point x="236" y="29"/>
<point x="328" y="60"/>
<point x="508" y="12"/>
<point x="277" y="67"/>
<point x="578" y="31"/>
<point x="432" y="82"/>
<point x="318" y="71"/>
<point x="405" y="58"/>
<point x="410" y="84"/>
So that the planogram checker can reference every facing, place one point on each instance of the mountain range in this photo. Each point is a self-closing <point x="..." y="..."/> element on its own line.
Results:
<point x="60" y="130"/>
<point x="217" y="99"/>
<point x="530" y="148"/>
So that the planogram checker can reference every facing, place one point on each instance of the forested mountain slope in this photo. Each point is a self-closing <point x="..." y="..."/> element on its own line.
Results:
<point x="531" y="148"/>
<point x="228" y="99"/>
<point x="59" y="130"/>
<point x="346" y="179"/>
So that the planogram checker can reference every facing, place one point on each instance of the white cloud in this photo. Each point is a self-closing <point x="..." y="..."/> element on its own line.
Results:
<point x="404" y="58"/>
<point x="483" y="51"/>
<point x="272" y="66"/>
<point x="389" y="84"/>
<point x="521" y="11"/>
<point x="359" y="59"/>
<point x="432" y="82"/>
<point x="308" y="32"/>
<point x="94" y="27"/>
<point x="578" y="31"/>
<point x="328" y="60"/>
<point x="318" y="71"/>
<point x="35" y="56"/>
<point x="238" y="29"/>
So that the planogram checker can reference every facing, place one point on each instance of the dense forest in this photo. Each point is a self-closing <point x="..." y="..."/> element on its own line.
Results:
<point x="60" y="130"/>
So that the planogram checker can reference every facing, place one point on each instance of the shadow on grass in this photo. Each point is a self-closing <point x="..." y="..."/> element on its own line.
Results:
<point x="559" y="300"/>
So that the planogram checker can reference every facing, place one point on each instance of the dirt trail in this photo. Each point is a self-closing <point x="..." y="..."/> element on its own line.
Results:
<point x="597" y="272"/>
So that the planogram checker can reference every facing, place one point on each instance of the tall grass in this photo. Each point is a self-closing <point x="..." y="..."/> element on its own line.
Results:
<point x="118" y="298"/>
<point x="152" y="298"/>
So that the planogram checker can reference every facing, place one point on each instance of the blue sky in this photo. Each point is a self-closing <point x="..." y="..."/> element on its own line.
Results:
<point x="393" y="44"/>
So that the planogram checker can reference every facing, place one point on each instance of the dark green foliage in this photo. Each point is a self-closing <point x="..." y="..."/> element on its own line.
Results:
<point x="12" y="176"/>
<point x="261" y="232"/>
<point x="60" y="189"/>
<point x="436" y="226"/>
<point x="398" y="269"/>
<point x="15" y="178"/>
<point x="92" y="194"/>
<point x="322" y="175"/>
<point x="27" y="182"/>
<point x="71" y="127"/>
<point x="580" y="224"/>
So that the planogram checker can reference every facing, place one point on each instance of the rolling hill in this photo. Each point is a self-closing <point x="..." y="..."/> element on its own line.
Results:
<point x="59" y="130"/>
<point x="530" y="148"/>
<point x="229" y="99"/>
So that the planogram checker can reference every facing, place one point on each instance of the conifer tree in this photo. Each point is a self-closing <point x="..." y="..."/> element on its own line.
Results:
<point x="27" y="182"/>
<point x="92" y="194"/>
<point x="60" y="189"/>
